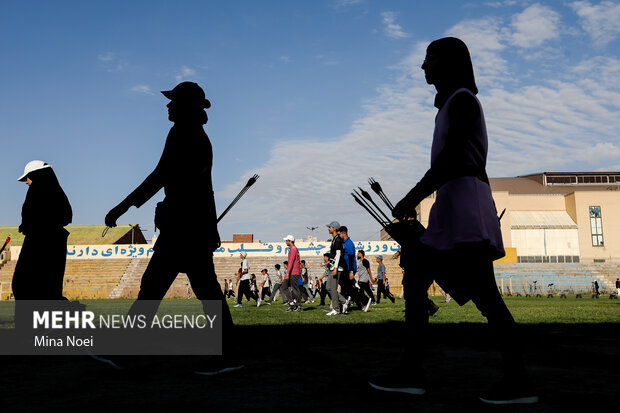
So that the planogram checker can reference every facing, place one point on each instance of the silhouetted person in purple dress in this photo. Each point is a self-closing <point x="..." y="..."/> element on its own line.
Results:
<point x="463" y="236"/>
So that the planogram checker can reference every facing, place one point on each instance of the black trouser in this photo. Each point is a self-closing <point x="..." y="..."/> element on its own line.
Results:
<point x="468" y="262"/>
<point x="348" y="289"/>
<point x="382" y="290"/>
<point x="265" y="292"/>
<point x="323" y="293"/>
<point x="365" y="288"/>
<point x="161" y="273"/>
<point x="244" y="289"/>
<point x="304" y="292"/>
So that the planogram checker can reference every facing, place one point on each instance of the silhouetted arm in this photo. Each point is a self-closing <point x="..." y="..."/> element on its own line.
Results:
<point x="153" y="183"/>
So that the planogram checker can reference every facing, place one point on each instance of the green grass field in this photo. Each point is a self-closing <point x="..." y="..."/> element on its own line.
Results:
<point x="307" y="362"/>
<point x="528" y="310"/>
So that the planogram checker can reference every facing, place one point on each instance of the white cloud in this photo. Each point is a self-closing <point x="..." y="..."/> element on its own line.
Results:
<point x="345" y="3"/>
<point x="391" y="28"/>
<point x="498" y="4"/>
<point x="186" y="74"/>
<point x="143" y="89"/>
<point x="485" y="39"/>
<point x="285" y="59"/>
<point x="534" y="26"/>
<point x="569" y="122"/>
<point x="111" y="62"/>
<point x="601" y="22"/>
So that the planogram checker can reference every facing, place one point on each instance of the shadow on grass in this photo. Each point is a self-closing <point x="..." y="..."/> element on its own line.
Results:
<point x="324" y="368"/>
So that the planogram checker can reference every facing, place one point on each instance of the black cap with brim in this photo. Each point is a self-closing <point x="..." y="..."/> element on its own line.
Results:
<point x="188" y="92"/>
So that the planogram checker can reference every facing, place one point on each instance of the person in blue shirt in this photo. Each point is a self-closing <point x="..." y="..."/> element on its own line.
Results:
<point x="347" y="282"/>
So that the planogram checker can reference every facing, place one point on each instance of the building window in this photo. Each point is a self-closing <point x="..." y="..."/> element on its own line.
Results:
<point x="596" y="226"/>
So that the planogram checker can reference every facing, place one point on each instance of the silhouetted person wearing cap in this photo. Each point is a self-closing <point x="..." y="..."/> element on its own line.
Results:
<point x="463" y="236"/>
<point x="187" y="217"/>
<point x="40" y="269"/>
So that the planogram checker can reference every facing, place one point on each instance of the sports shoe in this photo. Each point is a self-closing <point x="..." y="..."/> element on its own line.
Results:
<point x="258" y="302"/>
<point x="298" y="309"/>
<point x="345" y="306"/>
<point x="510" y="392"/>
<point x="398" y="383"/>
<point x="237" y="306"/>
<point x="331" y="313"/>
<point x="268" y="302"/>
<point x="219" y="365"/>
<point x="367" y="306"/>
<point x="373" y="303"/>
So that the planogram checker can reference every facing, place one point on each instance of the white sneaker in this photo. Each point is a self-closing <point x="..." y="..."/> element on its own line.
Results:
<point x="258" y="302"/>
<point x="237" y="306"/>
<point x="345" y="306"/>
<point x="331" y="313"/>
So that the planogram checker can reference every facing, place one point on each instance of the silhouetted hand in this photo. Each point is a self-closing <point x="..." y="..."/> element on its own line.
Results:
<point x="403" y="208"/>
<point x="115" y="213"/>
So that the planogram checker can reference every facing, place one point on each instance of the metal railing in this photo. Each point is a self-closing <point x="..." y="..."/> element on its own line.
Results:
<point x="550" y="285"/>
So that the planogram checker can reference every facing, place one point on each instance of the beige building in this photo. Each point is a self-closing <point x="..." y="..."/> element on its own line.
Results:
<point x="557" y="217"/>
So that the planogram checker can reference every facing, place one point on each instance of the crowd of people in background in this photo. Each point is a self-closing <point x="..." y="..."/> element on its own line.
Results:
<point x="346" y="278"/>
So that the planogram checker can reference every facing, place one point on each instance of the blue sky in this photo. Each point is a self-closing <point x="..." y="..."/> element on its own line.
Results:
<point x="314" y="96"/>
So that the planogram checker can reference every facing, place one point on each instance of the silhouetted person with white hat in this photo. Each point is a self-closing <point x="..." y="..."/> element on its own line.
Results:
<point x="40" y="268"/>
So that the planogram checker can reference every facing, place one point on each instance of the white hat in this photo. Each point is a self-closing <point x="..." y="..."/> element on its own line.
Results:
<point x="244" y="254"/>
<point x="289" y="238"/>
<point x="31" y="167"/>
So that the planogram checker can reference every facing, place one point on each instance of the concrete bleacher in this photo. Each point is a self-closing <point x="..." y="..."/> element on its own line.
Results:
<point x="226" y="268"/>
<point x="566" y="278"/>
<point x="120" y="278"/>
<point x="84" y="279"/>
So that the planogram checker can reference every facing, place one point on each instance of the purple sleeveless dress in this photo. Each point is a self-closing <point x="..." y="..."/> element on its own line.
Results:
<point x="464" y="211"/>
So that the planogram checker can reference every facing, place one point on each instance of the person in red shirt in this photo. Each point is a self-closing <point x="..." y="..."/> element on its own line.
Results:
<point x="291" y="279"/>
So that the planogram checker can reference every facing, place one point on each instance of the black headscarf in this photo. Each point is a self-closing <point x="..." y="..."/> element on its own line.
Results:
<point x="46" y="206"/>
<point x="456" y="68"/>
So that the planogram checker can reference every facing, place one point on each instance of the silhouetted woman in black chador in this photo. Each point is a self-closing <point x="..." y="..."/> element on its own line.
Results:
<point x="463" y="235"/>
<point x="40" y="268"/>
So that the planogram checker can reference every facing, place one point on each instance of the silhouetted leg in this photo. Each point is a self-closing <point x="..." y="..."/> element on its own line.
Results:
<point x="416" y="320"/>
<point x="156" y="280"/>
<point x="204" y="282"/>
<point x="488" y="300"/>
